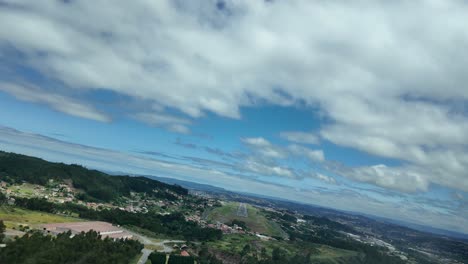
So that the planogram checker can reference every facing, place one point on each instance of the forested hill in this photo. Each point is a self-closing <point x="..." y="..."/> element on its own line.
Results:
<point x="95" y="185"/>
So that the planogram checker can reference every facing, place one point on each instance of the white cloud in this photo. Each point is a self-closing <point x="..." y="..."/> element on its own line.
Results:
<point x="300" y="137"/>
<point x="55" y="101"/>
<point x="314" y="155"/>
<point x="266" y="169"/>
<point x="257" y="142"/>
<point x="326" y="178"/>
<point x="403" y="179"/>
<point x="172" y="123"/>
<point x="264" y="148"/>
<point x="265" y="158"/>
<point x="389" y="77"/>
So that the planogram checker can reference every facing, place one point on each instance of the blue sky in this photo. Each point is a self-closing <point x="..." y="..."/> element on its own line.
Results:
<point x="364" y="111"/>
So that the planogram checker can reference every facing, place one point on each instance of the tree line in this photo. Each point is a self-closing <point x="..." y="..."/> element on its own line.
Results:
<point x="38" y="248"/>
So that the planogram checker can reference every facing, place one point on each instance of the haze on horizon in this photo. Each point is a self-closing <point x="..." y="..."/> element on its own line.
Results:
<point x="353" y="105"/>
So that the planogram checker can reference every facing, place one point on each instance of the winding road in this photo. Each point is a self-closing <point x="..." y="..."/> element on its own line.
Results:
<point x="146" y="252"/>
<point x="147" y="241"/>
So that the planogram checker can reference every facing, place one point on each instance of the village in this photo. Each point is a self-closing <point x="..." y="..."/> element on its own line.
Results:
<point x="62" y="192"/>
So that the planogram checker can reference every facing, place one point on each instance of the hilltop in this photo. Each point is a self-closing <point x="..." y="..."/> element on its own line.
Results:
<point x="93" y="185"/>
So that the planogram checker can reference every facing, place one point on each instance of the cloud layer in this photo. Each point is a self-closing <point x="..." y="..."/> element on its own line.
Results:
<point x="388" y="77"/>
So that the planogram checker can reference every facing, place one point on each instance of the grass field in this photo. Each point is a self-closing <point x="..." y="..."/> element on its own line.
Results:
<point x="333" y="255"/>
<point x="255" y="221"/>
<point x="14" y="216"/>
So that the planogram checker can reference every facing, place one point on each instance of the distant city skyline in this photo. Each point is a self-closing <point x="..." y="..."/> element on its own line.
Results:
<point x="353" y="106"/>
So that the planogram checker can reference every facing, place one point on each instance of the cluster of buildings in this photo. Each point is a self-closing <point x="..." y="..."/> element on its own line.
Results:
<point x="61" y="191"/>
<point x="55" y="192"/>
<point x="234" y="229"/>
<point x="377" y="242"/>
<point x="226" y="229"/>
<point x="4" y="189"/>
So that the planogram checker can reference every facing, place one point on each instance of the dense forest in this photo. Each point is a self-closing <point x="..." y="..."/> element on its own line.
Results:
<point x="173" y="225"/>
<point x="64" y="248"/>
<point x="96" y="185"/>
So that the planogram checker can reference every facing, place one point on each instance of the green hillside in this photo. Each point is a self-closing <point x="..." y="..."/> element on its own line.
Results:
<point x="255" y="220"/>
<point x="96" y="185"/>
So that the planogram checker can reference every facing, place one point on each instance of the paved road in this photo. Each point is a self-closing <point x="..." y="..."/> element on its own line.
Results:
<point x="147" y="241"/>
<point x="242" y="210"/>
<point x="144" y="257"/>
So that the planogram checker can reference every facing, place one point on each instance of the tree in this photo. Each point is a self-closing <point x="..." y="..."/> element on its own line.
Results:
<point x="157" y="258"/>
<point x="82" y="248"/>
<point x="263" y="254"/>
<point x="174" y="259"/>
<point x="3" y="198"/>
<point x="278" y="255"/>
<point x="2" y="230"/>
<point x="245" y="250"/>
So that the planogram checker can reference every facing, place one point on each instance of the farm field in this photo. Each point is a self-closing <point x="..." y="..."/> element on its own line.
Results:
<point x="14" y="216"/>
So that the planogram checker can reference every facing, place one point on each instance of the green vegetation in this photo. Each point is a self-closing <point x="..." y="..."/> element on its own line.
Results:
<point x="82" y="248"/>
<point x="233" y="243"/>
<point x="2" y="230"/>
<point x="96" y="185"/>
<point x="157" y="258"/>
<point x="136" y="259"/>
<point x="161" y="258"/>
<point x="325" y="236"/>
<point x="174" y="259"/>
<point x="245" y="245"/>
<point x="239" y="223"/>
<point x="15" y="216"/>
<point x="255" y="221"/>
<point x="173" y="225"/>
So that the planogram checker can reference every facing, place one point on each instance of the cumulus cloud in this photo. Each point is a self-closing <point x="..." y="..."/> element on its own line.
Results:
<point x="266" y="158"/>
<point x="403" y="179"/>
<point x="314" y="155"/>
<point x="300" y="137"/>
<point x="389" y="77"/>
<point x="264" y="148"/>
